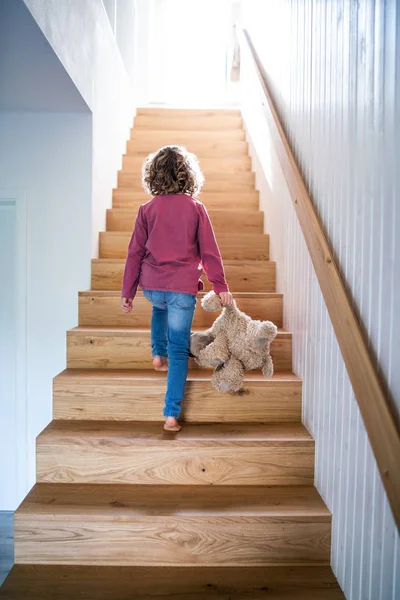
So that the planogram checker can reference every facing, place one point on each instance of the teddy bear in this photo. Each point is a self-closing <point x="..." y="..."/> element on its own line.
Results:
<point x="234" y="344"/>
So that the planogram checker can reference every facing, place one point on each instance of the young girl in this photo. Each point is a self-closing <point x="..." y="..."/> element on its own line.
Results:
<point x="173" y="240"/>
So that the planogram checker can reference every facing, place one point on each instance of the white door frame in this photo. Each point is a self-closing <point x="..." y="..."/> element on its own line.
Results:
<point x="17" y="196"/>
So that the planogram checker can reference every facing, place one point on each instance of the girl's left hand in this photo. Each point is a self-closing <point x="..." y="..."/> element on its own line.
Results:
<point x="126" y="305"/>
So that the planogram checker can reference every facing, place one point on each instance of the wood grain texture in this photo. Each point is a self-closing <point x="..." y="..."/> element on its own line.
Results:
<point x="106" y="348"/>
<point x="127" y="198"/>
<point x="176" y="542"/>
<point x="185" y="137"/>
<point x="233" y="246"/>
<point x="207" y="149"/>
<point x="188" y="112"/>
<point x="240" y="183"/>
<point x="143" y="453"/>
<point x="380" y="421"/>
<point x="123" y="502"/>
<point x="208" y="165"/>
<point x="242" y="180"/>
<point x="253" y="276"/>
<point x="272" y="582"/>
<point x="126" y="396"/>
<point x="224" y="221"/>
<point x="102" y="309"/>
<point x="213" y="123"/>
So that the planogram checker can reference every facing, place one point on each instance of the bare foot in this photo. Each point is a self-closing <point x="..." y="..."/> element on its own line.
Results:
<point x="171" y="424"/>
<point x="160" y="363"/>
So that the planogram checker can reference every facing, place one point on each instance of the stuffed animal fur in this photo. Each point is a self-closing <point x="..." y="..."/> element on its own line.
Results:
<point x="234" y="344"/>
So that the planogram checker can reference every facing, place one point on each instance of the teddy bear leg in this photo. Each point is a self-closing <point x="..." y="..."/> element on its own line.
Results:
<point x="229" y="376"/>
<point x="216" y="353"/>
<point x="268" y="368"/>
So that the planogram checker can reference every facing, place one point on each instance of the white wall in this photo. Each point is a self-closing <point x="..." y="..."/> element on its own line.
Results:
<point x="331" y="67"/>
<point x="81" y="36"/>
<point x="48" y="158"/>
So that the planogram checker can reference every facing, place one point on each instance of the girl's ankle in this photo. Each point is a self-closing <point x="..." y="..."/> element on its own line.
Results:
<point x="160" y="363"/>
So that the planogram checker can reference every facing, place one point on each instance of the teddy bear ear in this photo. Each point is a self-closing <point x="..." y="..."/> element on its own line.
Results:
<point x="211" y="302"/>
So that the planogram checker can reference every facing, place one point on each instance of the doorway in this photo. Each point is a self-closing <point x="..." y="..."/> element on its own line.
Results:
<point x="189" y="52"/>
<point x="13" y="409"/>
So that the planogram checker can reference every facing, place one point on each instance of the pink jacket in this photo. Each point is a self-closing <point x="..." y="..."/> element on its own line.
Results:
<point x="173" y="240"/>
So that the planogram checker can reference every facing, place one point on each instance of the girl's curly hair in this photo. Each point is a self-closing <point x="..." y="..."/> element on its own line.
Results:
<point x="172" y="170"/>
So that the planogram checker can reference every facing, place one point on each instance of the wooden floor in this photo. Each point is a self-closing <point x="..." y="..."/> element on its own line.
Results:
<point x="37" y="582"/>
<point x="227" y="507"/>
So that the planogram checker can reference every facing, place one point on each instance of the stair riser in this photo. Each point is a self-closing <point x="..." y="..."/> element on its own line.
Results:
<point x="132" y="351"/>
<point x="212" y="124"/>
<point x="208" y="165"/>
<point x="241" y="179"/>
<point x="184" y="137"/>
<point x="172" y="541"/>
<point x="181" y="113"/>
<point x="202" y="149"/>
<point x="118" y="400"/>
<point x="105" y="311"/>
<point x="223" y="221"/>
<point x="256" y="277"/>
<point x="230" y="185"/>
<point x="122" y="461"/>
<point x="232" y="246"/>
<point x="126" y="198"/>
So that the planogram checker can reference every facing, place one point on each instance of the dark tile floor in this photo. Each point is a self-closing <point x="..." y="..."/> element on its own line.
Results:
<point x="6" y="543"/>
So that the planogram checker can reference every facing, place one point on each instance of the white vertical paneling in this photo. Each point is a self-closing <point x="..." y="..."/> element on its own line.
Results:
<point x="333" y="71"/>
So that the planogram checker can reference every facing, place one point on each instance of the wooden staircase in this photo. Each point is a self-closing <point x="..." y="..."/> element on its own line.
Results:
<point x="224" y="509"/>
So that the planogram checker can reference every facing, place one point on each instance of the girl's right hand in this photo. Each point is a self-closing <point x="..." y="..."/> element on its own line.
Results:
<point x="126" y="304"/>
<point x="226" y="298"/>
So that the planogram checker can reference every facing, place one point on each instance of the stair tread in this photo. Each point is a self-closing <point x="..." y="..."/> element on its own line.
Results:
<point x="85" y="329"/>
<point x="150" y="433"/>
<point x="91" y="501"/>
<point x="139" y="375"/>
<point x="47" y="582"/>
<point x="116" y="293"/>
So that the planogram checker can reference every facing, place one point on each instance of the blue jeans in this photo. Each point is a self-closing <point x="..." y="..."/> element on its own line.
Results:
<point x="171" y="324"/>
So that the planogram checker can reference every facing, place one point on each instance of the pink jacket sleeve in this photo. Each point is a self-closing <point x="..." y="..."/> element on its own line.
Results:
<point x="136" y="253"/>
<point x="209" y="252"/>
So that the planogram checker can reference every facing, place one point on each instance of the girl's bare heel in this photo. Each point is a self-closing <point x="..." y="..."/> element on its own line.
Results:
<point x="160" y="363"/>
<point x="171" y="424"/>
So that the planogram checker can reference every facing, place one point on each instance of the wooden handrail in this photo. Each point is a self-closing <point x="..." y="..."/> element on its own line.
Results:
<point x="379" y="420"/>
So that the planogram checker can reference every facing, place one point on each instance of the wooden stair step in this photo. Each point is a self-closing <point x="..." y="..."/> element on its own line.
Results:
<point x="146" y="525"/>
<point x="208" y="165"/>
<point x="251" y="276"/>
<point x="125" y="348"/>
<point x="214" y="123"/>
<point x="200" y="454"/>
<point x="233" y="246"/>
<point x="151" y="111"/>
<point x="126" y="395"/>
<point x="224" y="221"/>
<point x="214" y="181"/>
<point x="102" y="309"/>
<point x="183" y="137"/>
<point x="226" y="184"/>
<point x="201" y="149"/>
<point x="272" y="582"/>
<point x="128" y="198"/>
